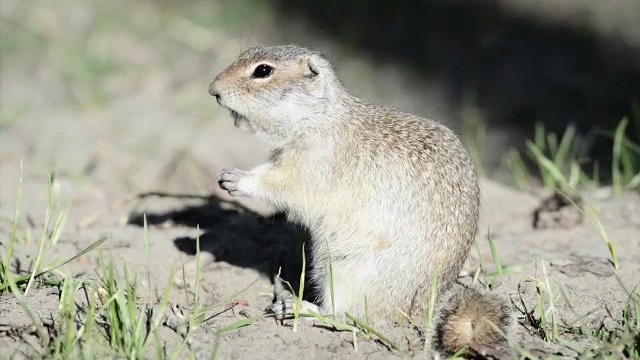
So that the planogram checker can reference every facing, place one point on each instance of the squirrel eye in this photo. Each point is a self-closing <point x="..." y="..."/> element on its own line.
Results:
<point x="262" y="71"/>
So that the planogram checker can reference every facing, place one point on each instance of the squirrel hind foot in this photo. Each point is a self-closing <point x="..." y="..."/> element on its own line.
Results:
<point x="471" y="318"/>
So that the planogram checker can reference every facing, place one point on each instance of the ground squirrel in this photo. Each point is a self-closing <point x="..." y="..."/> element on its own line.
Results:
<point x="391" y="197"/>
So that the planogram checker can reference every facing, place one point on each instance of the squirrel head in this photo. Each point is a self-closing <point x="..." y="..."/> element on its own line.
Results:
<point x="280" y="91"/>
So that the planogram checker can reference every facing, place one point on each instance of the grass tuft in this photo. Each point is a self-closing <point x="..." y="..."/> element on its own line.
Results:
<point x="298" y="307"/>
<point x="591" y="214"/>
<point x="561" y="161"/>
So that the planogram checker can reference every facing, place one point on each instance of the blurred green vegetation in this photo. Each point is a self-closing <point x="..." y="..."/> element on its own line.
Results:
<point x="88" y="54"/>
<point x="81" y="44"/>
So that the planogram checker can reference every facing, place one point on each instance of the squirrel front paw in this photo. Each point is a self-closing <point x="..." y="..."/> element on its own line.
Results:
<point x="229" y="180"/>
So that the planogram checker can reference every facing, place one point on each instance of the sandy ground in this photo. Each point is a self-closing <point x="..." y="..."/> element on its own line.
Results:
<point x="163" y="132"/>
<point x="238" y="244"/>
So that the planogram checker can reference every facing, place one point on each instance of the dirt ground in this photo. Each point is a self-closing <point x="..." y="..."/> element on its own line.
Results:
<point x="238" y="245"/>
<point x="159" y="130"/>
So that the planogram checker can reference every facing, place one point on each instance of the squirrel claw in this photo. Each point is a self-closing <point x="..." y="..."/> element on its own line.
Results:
<point x="228" y="180"/>
<point x="284" y="309"/>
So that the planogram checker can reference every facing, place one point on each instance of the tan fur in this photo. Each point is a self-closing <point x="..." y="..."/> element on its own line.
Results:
<point x="473" y="318"/>
<point x="389" y="196"/>
<point x="382" y="244"/>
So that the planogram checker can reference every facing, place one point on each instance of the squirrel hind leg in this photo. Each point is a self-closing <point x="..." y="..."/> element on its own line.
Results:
<point x="467" y="317"/>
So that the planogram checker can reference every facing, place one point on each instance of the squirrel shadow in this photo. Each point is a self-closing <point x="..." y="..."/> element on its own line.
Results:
<point x="240" y="237"/>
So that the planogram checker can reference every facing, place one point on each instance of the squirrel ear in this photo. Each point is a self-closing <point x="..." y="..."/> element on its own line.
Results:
<point x="312" y="69"/>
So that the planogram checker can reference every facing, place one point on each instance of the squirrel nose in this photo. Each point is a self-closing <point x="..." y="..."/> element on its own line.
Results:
<point x="213" y="92"/>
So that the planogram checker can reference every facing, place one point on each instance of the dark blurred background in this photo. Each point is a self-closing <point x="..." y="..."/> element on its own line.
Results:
<point x="521" y="62"/>
<point x="521" y="67"/>
<point x="489" y="69"/>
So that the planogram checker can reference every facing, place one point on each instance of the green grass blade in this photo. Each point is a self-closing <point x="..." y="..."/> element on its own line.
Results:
<point x="615" y="166"/>
<point x="494" y="256"/>
<point x="89" y="248"/>
<point x="4" y="272"/>
<point x="374" y="332"/>
<point x="551" y="174"/>
<point x="331" y="289"/>
<point x="242" y="323"/>
<point x="519" y="171"/>
<point x="562" y="153"/>
<point x="331" y="322"/>
<point x="197" y="295"/>
<point x="296" y="312"/>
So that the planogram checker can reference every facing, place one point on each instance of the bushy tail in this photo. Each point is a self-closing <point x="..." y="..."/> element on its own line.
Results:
<point x="471" y="318"/>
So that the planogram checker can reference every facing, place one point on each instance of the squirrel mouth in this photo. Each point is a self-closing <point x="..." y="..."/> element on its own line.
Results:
<point x="238" y="119"/>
